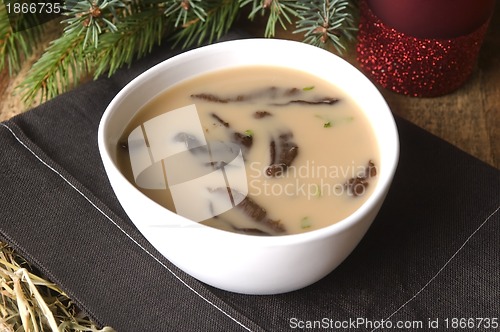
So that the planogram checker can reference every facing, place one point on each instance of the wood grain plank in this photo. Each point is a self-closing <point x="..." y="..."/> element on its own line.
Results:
<point x="458" y="118"/>
<point x="489" y="62"/>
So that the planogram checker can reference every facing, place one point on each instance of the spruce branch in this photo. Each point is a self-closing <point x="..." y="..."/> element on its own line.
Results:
<point x="280" y="11"/>
<point x="328" y="21"/>
<point x="91" y="18"/>
<point x="69" y="59"/>
<point x="139" y="32"/>
<point x="220" y="16"/>
<point x="16" y="46"/>
<point x="61" y="66"/>
<point x="183" y="9"/>
<point x="101" y="36"/>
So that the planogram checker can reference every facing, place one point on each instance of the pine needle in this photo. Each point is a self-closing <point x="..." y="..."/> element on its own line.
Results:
<point x="221" y="15"/>
<point x="280" y="11"/>
<point x="15" y="46"/>
<point x="328" y="22"/>
<point x="139" y="32"/>
<point x="55" y="72"/>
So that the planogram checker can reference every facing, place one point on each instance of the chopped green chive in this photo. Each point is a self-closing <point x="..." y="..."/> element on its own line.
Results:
<point x="317" y="191"/>
<point x="328" y="123"/>
<point x="308" y="88"/>
<point x="249" y="132"/>
<point x="305" y="223"/>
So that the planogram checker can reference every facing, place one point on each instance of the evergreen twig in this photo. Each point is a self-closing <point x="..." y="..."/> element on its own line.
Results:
<point x="138" y="34"/>
<point x="184" y="9"/>
<point x="61" y="66"/>
<point x="16" y="46"/>
<point x="220" y="16"/>
<point x="91" y="17"/>
<point x="101" y="36"/>
<point x="279" y="11"/>
<point x="327" y="22"/>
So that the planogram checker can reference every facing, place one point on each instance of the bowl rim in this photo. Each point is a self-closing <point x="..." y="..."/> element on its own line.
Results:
<point x="233" y="45"/>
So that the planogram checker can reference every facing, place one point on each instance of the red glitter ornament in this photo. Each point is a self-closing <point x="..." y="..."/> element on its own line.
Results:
<point x="420" y="67"/>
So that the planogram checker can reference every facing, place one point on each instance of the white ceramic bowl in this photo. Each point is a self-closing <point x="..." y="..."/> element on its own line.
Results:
<point x="235" y="262"/>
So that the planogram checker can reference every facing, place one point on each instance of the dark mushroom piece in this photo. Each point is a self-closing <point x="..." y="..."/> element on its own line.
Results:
<point x="322" y="101"/>
<point x="269" y="93"/>
<point x="245" y="141"/>
<point x="282" y="155"/>
<point x="219" y="120"/>
<point x="252" y="210"/>
<point x="357" y="185"/>
<point x="192" y="143"/>
<point x="261" y="114"/>
<point x="211" y="98"/>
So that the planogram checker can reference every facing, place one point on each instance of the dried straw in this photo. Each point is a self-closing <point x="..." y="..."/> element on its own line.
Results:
<point x="31" y="303"/>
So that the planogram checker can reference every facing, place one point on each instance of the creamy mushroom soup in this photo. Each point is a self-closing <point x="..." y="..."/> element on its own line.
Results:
<point x="255" y="150"/>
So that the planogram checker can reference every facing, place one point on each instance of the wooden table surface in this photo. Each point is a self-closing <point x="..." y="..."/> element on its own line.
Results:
<point x="468" y="118"/>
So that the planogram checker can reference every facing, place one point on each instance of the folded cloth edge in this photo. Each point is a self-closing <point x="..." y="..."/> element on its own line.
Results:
<point x="197" y="288"/>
